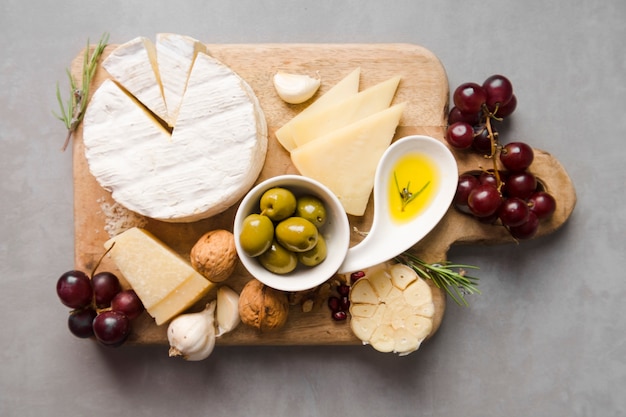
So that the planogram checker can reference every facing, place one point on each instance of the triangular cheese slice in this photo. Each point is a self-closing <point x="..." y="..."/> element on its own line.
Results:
<point x="134" y="66"/>
<point x="175" y="56"/>
<point x="344" y="112"/>
<point x="348" y="86"/>
<point x="165" y="282"/>
<point x="345" y="160"/>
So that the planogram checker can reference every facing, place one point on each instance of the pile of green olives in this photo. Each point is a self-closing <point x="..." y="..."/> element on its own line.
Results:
<point x="286" y="231"/>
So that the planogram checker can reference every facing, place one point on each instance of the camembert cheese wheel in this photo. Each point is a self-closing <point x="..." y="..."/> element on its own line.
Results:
<point x="197" y="168"/>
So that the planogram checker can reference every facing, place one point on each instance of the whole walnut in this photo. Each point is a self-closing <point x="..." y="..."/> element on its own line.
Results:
<point x="263" y="307"/>
<point x="214" y="255"/>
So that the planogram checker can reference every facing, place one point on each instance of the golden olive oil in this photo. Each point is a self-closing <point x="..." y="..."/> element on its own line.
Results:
<point x="413" y="183"/>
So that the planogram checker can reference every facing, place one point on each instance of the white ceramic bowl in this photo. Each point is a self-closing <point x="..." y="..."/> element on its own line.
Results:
<point x="336" y="231"/>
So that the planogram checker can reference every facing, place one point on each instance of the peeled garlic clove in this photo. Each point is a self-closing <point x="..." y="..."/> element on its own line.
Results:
<point x="192" y="335"/>
<point x="227" y="314"/>
<point x="295" y="88"/>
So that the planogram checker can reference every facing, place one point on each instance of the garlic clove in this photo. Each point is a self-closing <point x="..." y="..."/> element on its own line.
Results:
<point x="192" y="335"/>
<point x="295" y="88"/>
<point x="227" y="313"/>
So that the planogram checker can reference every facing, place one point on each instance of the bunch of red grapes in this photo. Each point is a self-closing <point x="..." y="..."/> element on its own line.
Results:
<point x="100" y="307"/>
<point x="508" y="193"/>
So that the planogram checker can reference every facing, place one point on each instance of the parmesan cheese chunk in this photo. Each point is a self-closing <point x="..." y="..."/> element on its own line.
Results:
<point x="347" y="87"/>
<point x="344" y="112"/>
<point x="345" y="160"/>
<point x="166" y="284"/>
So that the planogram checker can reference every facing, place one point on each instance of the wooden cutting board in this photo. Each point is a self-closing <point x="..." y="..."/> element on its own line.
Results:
<point x="424" y="87"/>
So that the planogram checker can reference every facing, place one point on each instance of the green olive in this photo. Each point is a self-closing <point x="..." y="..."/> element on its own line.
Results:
<point x="296" y="234"/>
<point x="257" y="233"/>
<point x="316" y="255"/>
<point x="312" y="209"/>
<point x="278" y="203"/>
<point x="278" y="259"/>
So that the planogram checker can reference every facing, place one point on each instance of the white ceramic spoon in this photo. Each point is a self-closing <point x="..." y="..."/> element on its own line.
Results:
<point x="388" y="238"/>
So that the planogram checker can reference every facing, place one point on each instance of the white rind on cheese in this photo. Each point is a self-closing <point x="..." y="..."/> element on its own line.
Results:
<point x="345" y="160"/>
<point x="175" y="57"/>
<point x="213" y="156"/>
<point x="134" y="66"/>
<point x="220" y="123"/>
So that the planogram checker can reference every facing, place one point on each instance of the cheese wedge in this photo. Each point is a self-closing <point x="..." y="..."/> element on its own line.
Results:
<point x="175" y="57"/>
<point x="344" y="112"/>
<point x="211" y="159"/>
<point x="348" y="86"/>
<point x="345" y="160"/>
<point x="166" y="284"/>
<point x="134" y="66"/>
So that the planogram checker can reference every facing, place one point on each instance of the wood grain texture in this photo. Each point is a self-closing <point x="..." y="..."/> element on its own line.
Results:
<point x="424" y="87"/>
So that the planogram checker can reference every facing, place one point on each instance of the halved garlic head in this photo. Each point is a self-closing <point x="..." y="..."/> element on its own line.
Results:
<point x="295" y="88"/>
<point x="392" y="309"/>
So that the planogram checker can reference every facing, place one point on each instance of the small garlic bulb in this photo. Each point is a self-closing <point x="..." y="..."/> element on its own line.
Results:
<point x="192" y="335"/>
<point x="295" y="88"/>
<point x="227" y="313"/>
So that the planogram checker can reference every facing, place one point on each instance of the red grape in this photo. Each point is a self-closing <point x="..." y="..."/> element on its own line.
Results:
<point x="469" y="98"/>
<point x="508" y="108"/>
<point x="460" y="135"/>
<point x="513" y="212"/>
<point x="74" y="289"/>
<point x="128" y="303"/>
<point x="457" y="115"/>
<point x="521" y="185"/>
<point x="527" y="229"/>
<point x="542" y="204"/>
<point x="517" y="156"/>
<point x="343" y="290"/>
<point x="80" y="322"/>
<point x="465" y="185"/>
<point x="482" y="142"/>
<point x="498" y="89"/>
<point x="489" y="178"/>
<point x="484" y="200"/>
<point x="111" y="328"/>
<point x="105" y="286"/>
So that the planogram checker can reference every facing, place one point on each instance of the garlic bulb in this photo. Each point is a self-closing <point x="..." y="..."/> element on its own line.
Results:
<point x="227" y="313"/>
<point x="295" y="88"/>
<point x="192" y="335"/>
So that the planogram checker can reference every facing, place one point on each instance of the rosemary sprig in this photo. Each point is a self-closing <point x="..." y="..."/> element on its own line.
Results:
<point x="73" y="110"/>
<point x="456" y="284"/>
<point x="405" y="194"/>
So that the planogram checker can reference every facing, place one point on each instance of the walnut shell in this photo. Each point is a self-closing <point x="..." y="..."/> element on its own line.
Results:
<point x="263" y="307"/>
<point x="214" y="255"/>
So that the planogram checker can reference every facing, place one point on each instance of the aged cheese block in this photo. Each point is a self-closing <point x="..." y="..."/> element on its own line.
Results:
<point x="344" y="112"/>
<point x="166" y="284"/>
<point x="347" y="87"/>
<point x="345" y="160"/>
<point x="202" y="166"/>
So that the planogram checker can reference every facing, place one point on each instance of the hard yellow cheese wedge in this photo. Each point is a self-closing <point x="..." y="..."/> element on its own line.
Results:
<point x="344" y="112"/>
<point x="345" y="160"/>
<point x="347" y="87"/>
<point x="166" y="284"/>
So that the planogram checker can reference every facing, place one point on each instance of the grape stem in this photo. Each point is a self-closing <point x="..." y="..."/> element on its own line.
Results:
<point x="493" y="138"/>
